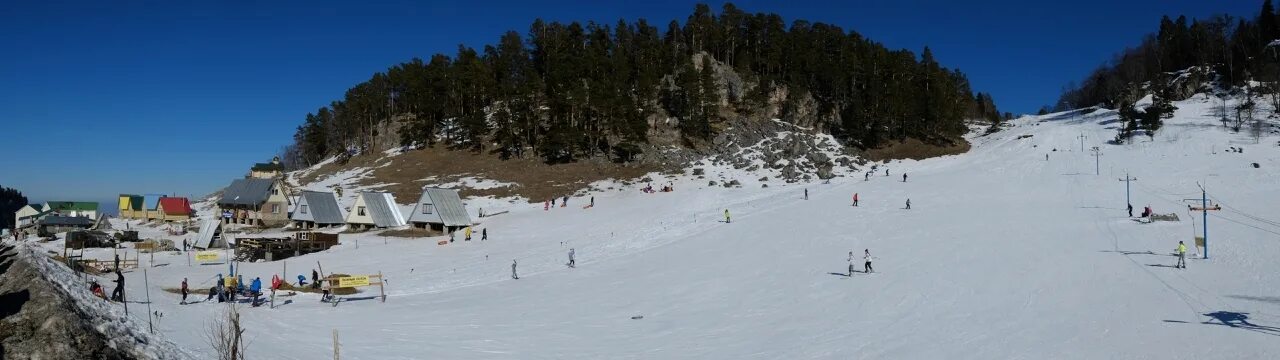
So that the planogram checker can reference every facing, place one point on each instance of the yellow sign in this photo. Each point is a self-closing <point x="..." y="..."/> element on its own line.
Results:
<point x="352" y="281"/>
<point x="206" y="256"/>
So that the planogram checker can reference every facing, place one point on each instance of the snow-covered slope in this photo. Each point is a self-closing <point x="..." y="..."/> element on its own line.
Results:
<point x="1003" y="254"/>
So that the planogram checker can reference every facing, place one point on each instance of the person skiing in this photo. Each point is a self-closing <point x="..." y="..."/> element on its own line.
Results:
<point x="726" y="217"/>
<point x="908" y="204"/>
<point x="546" y="205"/>
<point x="315" y="279"/>
<point x="593" y="202"/>
<point x="904" y="177"/>
<point x="855" y="199"/>
<point x="255" y="289"/>
<point x="850" y="260"/>
<point x="867" y="266"/>
<point x="513" y="270"/>
<point x="571" y="263"/>
<point x="564" y="202"/>
<point x="886" y="171"/>
<point x="1046" y="157"/>
<point x="221" y="285"/>
<point x="117" y="263"/>
<point x="484" y="234"/>
<point x="184" y="290"/>
<point x="1130" y="210"/>
<point x="806" y="194"/>
<point x="866" y="176"/>
<point x="468" y="233"/>
<point x="1182" y="255"/>
<point x="302" y="280"/>
<point x="118" y="293"/>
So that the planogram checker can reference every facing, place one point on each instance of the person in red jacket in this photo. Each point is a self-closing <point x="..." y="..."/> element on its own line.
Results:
<point x="855" y="199"/>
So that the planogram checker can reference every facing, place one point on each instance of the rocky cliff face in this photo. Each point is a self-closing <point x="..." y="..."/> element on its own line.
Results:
<point x="42" y="321"/>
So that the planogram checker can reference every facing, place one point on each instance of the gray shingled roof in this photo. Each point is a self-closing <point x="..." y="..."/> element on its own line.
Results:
<point x="448" y="208"/>
<point x="383" y="209"/>
<point x="248" y="192"/>
<point x="322" y="208"/>
<point x="67" y="221"/>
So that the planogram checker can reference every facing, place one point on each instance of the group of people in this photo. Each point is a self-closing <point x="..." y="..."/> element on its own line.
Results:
<point x="225" y="289"/>
<point x="866" y="266"/>
<point x="648" y="188"/>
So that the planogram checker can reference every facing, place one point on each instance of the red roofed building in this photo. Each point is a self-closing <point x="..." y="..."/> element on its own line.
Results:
<point x="174" y="209"/>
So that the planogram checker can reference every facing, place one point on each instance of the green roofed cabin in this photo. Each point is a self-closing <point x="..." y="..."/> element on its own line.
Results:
<point x="82" y="209"/>
<point x="130" y="207"/>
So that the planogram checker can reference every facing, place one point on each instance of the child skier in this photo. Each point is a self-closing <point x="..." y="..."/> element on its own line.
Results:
<point x="184" y="290"/>
<point x="904" y="177"/>
<point x="855" y="199"/>
<point x="1182" y="256"/>
<point x="867" y="266"/>
<point x="484" y="234"/>
<point x="726" y="217"/>
<point x="513" y="270"/>
<point x="908" y="204"/>
<point x="468" y="233"/>
<point x="571" y="263"/>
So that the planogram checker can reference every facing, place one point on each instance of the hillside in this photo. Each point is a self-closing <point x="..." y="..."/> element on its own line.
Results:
<point x="567" y="92"/>
<point x="1014" y="249"/>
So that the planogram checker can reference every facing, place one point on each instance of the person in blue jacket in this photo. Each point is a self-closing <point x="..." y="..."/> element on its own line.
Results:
<point x="256" y="289"/>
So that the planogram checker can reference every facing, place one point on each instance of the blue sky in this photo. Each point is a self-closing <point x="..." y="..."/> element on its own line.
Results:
<point x="103" y="97"/>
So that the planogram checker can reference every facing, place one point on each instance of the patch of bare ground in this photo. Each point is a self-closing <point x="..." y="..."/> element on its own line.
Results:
<point x="410" y="233"/>
<point x="534" y="179"/>
<point x="917" y="150"/>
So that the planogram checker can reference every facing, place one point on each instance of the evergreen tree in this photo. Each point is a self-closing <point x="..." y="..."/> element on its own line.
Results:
<point x="10" y="201"/>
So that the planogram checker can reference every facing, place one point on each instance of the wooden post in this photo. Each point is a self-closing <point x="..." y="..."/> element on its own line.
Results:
<point x="147" y="284"/>
<point x="335" y="344"/>
<point x="381" y="287"/>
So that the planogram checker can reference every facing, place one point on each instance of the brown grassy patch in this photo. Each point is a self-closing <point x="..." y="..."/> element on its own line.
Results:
<point x="537" y="180"/>
<point x="410" y="233"/>
<point x="916" y="149"/>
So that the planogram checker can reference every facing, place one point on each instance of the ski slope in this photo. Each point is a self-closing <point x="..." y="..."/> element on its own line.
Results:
<point x="1004" y="254"/>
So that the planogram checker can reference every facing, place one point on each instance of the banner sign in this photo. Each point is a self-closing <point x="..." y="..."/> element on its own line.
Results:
<point x="352" y="281"/>
<point x="206" y="256"/>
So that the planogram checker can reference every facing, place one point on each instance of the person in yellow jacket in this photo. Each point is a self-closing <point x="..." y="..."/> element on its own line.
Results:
<point x="468" y="234"/>
<point x="726" y="216"/>
<point x="1182" y="255"/>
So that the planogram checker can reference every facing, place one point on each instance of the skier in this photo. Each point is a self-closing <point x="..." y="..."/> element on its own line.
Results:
<point x="315" y="279"/>
<point x="867" y="176"/>
<point x="468" y="233"/>
<point x="806" y="194"/>
<point x="513" y="270"/>
<point x="1046" y="157"/>
<point x="593" y="202"/>
<point x="484" y="234"/>
<point x="184" y="290"/>
<point x="855" y="199"/>
<point x="221" y="285"/>
<point x="726" y="217"/>
<point x="117" y="262"/>
<point x="867" y="257"/>
<point x="908" y="204"/>
<point x="1182" y="255"/>
<point x="564" y="202"/>
<point x="546" y="205"/>
<point x="850" y="260"/>
<point x="1130" y="210"/>
<point x="904" y="177"/>
<point x="886" y="171"/>
<point x="302" y="280"/>
<point x="571" y="263"/>
<point x="118" y="293"/>
<point x="255" y="289"/>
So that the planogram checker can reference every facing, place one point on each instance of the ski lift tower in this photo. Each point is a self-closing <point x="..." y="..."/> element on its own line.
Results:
<point x="1204" y="211"/>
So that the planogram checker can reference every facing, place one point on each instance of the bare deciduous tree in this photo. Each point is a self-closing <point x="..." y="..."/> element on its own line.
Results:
<point x="226" y="336"/>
